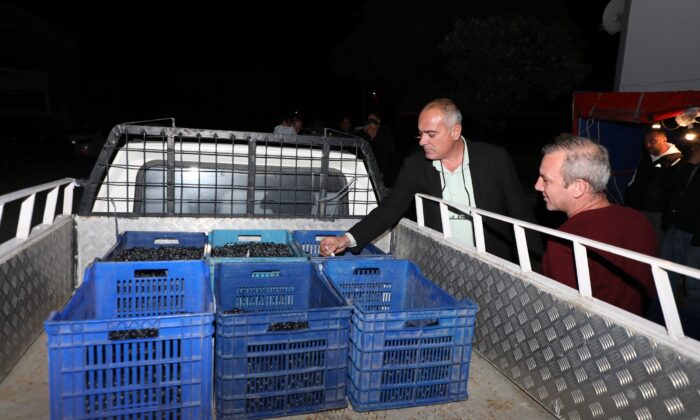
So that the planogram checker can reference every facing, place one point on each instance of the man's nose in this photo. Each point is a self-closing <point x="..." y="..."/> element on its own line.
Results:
<point x="538" y="185"/>
<point x="423" y="140"/>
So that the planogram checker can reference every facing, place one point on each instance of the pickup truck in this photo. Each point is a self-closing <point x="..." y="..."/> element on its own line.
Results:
<point x="541" y="349"/>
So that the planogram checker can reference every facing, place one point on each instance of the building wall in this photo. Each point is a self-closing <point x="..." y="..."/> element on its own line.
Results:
<point x="659" y="49"/>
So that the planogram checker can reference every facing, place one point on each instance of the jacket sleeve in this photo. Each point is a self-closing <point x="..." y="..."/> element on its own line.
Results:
<point x="388" y="213"/>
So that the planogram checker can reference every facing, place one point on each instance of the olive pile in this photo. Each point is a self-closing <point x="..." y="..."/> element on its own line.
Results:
<point x="235" y="311"/>
<point x="162" y="253"/>
<point x="133" y="334"/>
<point x="252" y="249"/>
<point x="288" y="326"/>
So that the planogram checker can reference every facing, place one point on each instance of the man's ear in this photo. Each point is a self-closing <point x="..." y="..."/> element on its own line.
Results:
<point x="456" y="132"/>
<point x="579" y="188"/>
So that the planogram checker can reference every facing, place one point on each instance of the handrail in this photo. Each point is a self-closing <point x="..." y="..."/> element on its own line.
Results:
<point x="659" y="267"/>
<point x="24" y="222"/>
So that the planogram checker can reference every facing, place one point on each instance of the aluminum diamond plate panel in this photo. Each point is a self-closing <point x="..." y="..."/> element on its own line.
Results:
<point x="35" y="280"/>
<point x="576" y="363"/>
<point x="97" y="235"/>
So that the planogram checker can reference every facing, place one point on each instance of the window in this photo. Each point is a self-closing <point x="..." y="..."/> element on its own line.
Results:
<point x="205" y="189"/>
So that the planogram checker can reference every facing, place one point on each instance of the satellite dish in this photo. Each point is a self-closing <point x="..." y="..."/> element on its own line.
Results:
<point x="613" y="15"/>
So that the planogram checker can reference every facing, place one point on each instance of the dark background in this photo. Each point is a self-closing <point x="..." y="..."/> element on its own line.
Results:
<point x="230" y="67"/>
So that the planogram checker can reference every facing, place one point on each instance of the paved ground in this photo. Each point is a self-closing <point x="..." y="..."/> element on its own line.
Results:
<point x="24" y="394"/>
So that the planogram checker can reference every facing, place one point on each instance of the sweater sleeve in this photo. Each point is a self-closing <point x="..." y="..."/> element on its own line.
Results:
<point x="558" y="262"/>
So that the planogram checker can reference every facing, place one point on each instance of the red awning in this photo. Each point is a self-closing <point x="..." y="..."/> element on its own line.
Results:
<point x="636" y="107"/>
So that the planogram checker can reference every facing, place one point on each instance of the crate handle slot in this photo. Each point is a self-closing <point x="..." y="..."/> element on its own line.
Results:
<point x="288" y="326"/>
<point x="265" y="274"/>
<point x="249" y="238"/>
<point x="166" y="241"/>
<point x="365" y="271"/>
<point x="153" y="272"/>
<point x="116" y="335"/>
<point x="420" y="323"/>
<point x="319" y="238"/>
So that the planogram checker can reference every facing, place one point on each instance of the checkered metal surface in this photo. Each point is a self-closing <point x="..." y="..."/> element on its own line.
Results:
<point x="576" y="363"/>
<point x="97" y="235"/>
<point x="35" y="279"/>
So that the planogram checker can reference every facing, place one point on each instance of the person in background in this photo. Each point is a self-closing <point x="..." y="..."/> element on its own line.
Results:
<point x="370" y="130"/>
<point x="572" y="178"/>
<point x="345" y="125"/>
<point x="466" y="172"/>
<point x="289" y="125"/>
<point x="646" y="192"/>
<point x="682" y="239"/>
<point x="384" y="151"/>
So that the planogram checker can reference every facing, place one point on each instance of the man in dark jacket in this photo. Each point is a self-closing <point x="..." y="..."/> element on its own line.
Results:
<point x="471" y="173"/>
<point x="646" y="192"/>
<point x="682" y="240"/>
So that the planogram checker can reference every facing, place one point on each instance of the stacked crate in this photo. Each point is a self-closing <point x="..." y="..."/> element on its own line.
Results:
<point x="134" y="342"/>
<point x="281" y="341"/>
<point x="158" y="246"/>
<point x="410" y="341"/>
<point x="309" y="240"/>
<point x="219" y="238"/>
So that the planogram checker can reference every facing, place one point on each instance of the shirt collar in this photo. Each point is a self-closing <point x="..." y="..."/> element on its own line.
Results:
<point x="465" y="159"/>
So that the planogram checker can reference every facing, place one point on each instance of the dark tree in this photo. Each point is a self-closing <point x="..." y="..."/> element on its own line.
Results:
<point x="501" y="63"/>
<point x="402" y="47"/>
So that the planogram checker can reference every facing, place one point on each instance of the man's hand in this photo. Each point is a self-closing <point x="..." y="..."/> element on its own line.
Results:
<point x="333" y="245"/>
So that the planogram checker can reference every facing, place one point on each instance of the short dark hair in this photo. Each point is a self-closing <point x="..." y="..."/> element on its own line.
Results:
<point x="655" y="132"/>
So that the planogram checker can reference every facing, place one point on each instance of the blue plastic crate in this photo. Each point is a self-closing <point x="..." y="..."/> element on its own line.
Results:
<point x="135" y="341"/>
<point x="264" y="370"/>
<point x="221" y="237"/>
<point x="138" y="239"/>
<point x="411" y="341"/>
<point x="308" y="241"/>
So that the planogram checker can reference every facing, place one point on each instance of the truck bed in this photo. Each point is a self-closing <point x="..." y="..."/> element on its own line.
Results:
<point x="24" y="394"/>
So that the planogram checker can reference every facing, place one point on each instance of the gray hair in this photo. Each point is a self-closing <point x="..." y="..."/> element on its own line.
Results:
<point x="452" y="114"/>
<point x="584" y="159"/>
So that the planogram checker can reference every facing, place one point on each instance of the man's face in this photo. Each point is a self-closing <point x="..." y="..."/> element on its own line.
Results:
<point x="371" y="130"/>
<point x="551" y="182"/>
<point x="435" y="137"/>
<point x="345" y="124"/>
<point x="655" y="143"/>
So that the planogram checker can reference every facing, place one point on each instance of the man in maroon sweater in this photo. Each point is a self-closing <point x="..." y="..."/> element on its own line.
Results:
<point x="573" y="175"/>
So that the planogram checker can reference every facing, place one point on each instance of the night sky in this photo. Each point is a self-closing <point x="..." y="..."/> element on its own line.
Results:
<point x="219" y="66"/>
<point x="215" y="54"/>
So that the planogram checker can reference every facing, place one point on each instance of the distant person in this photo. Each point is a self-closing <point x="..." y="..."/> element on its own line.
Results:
<point x="450" y="167"/>
<point x="384" y="150"/>
<point x="345" y="125"/>
<point x="645" y="192"/>
<point x="289" y="125"/>
<point x="572" y="178"/>
<point x="370" y="130"/>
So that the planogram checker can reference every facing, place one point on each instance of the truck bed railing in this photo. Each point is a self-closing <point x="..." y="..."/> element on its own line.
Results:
<point x="659" y="267"/>
<point x="26" y="213"/>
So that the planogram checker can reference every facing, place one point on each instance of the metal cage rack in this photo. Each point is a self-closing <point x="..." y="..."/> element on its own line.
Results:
<point x="171" y="171"/>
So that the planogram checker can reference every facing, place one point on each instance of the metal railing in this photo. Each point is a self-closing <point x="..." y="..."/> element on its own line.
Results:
<point x="659" y="267"/>
<point x="26" y="213"/>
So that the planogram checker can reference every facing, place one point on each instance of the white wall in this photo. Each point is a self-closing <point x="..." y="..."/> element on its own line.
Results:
<point x="660" y="49"/>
